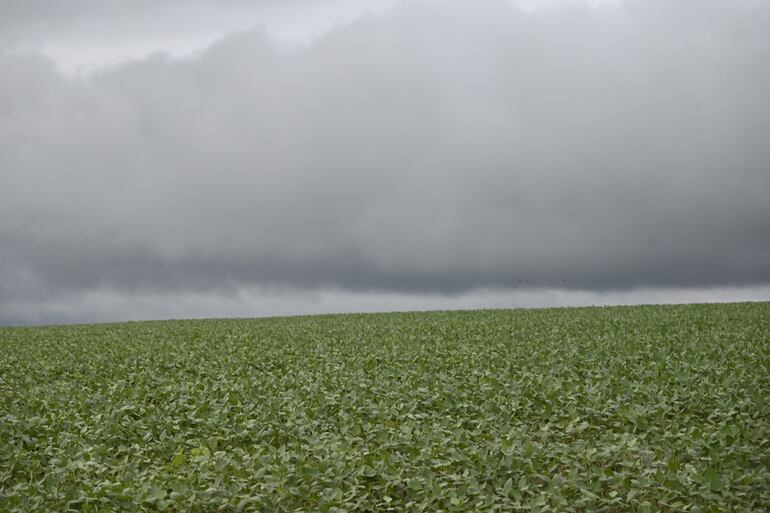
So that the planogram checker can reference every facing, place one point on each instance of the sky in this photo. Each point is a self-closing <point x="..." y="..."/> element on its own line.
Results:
<point x="247" y="158"/>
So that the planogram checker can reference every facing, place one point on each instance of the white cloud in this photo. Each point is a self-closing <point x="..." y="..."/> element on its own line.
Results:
<point x="84" y="36"/>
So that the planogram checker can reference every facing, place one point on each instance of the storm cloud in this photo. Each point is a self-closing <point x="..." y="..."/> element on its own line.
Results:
<point x="430" y="149"/>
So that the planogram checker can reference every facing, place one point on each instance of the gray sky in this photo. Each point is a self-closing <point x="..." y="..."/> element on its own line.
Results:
<point x="177" y="159"/>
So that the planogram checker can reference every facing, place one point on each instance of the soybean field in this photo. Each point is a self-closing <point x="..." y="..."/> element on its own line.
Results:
<point x="619" y="409"/>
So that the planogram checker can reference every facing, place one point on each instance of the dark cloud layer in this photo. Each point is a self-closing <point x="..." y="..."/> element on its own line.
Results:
<point x="435" y="148"/>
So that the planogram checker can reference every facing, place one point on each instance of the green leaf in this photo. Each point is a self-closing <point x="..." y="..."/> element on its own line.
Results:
<point x="179" y="459"/>
<point x="155" y="493"/>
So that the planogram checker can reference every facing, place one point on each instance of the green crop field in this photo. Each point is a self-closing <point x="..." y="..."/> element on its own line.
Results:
<point x="623" y="409"/>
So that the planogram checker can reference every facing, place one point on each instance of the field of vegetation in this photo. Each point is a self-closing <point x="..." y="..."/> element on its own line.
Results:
<point x="623" y="409"/>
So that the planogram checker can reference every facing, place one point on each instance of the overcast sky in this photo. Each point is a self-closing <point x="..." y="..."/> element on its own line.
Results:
<point x="236" y="158"/>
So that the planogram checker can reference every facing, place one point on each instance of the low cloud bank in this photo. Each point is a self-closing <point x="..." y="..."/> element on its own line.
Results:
<point x="431" y="150"/>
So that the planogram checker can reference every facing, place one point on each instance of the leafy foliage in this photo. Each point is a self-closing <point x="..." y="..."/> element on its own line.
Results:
<point x="626" y="409"/>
